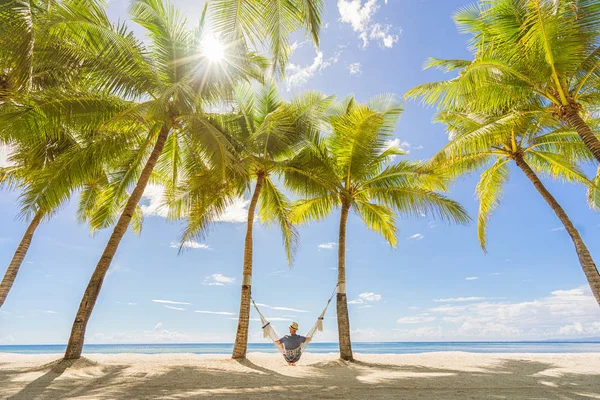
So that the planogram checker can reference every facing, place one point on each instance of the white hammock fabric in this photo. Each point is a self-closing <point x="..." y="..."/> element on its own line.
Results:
<point x="269" y="331"/>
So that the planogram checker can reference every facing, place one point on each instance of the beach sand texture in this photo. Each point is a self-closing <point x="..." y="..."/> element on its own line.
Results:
<point x="318" y="376"/>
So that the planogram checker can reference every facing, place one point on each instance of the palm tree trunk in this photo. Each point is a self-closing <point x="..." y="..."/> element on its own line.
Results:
<point x="241" y="337"/>
<point x="585" y="258"/>
<point x="571" y="115"/>
<point x="93" y="289"/>
<point x="17" y="260"/>
<point x="342" y="300"/>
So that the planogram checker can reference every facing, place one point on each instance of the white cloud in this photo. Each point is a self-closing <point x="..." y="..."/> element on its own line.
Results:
<point x="218" y="280"/>
<point x="458" y="299"/>
<point x="158" y="326"/>
<point x="398" y="144"/>
<point x="277" y="308"/>
<point x="155" y="195"/>
<point x="235" y="212"/>
<point x="49" y="312"/>
<point x="296" y="45"/>
<point x="327" y="246"/>
<point x="171" y="302"/>
<point x="471" y="278"/>
<point x="567" y="313"/>
<point x="127" y="304"/>
<point x="562" y="228"/>
<point x="175" y="308"/>
<point x="297" y="75"/>
<point x="4" y="153"/>
<point x="8" y="339"/>
<point x="360" y="17"/>
<point x="288" y="309"/>
<point x="496" y="273"/>
<point x="416" y="236"/>
<point x="190" y="244"/>
<point x="116" y="267"/>
<point x="416" y="319"/>
<point x="366" y="297"/>
<point x="214" y="312"/>
<point x="355" y="69"/>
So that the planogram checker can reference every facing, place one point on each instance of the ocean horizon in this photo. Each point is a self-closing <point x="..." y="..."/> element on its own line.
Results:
<point x="359" y="347"/>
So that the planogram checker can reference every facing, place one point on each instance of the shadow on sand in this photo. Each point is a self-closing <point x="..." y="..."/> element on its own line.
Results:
<point x="510" y="379"/>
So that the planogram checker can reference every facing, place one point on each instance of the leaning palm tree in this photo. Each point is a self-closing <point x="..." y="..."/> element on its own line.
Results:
<point x="354" y="168"/>
<point x="43" y="47"/>
<point x="28" y="161"/>
<point x="537" y="146"/>
<point x="545" y="52"/>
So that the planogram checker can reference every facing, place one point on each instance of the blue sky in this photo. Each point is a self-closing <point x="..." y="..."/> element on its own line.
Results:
<point x="436" y="285"/>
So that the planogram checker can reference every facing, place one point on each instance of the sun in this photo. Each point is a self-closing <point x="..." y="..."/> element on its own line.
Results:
<point x="212" y="49"/>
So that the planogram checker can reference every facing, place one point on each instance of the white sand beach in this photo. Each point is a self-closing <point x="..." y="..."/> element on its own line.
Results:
<point x="448" y="375"/>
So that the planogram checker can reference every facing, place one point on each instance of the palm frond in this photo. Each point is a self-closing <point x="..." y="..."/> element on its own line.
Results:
<point x="275" y="207"/>
<point x="489" y="192"/>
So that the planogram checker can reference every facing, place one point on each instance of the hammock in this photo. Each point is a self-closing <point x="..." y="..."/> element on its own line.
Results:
<point x="294" y="354"/>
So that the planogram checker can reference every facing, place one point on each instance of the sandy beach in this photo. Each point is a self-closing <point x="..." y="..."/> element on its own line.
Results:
<point x="265" y="376"/>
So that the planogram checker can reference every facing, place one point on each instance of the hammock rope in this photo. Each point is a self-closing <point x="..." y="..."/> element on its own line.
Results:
<point x="269" y="330"/>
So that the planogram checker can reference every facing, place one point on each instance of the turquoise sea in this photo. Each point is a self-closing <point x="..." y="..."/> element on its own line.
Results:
<point x="373" y="348"/>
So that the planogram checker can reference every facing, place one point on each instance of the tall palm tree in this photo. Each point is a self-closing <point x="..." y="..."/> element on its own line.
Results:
<point x="173" y="81"/>
<point x="545" y="52"/>
<point x="354" y="168"/>
<point x="266" y="133"/>
<point x="537" y="146"/>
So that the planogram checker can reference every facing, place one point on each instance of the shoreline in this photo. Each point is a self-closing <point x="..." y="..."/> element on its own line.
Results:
<point x="441" y="375"/>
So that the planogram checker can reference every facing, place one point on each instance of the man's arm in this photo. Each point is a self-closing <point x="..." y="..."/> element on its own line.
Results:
<point x="307" y="340"/>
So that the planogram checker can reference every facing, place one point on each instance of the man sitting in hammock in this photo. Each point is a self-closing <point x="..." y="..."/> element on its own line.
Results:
<point x="292" y="345"/>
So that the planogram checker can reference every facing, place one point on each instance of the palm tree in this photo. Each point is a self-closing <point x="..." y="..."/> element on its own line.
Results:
<point x="543" y="52"/>
<point x="266" y="133"/>
<point x="174" y="81"/>
<point x="354" y="168"/>
<point x="537" y="146"/>
<point x="37" y="45"/>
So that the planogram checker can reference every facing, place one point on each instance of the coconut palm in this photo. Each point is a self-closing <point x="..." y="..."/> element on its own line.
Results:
<point x="266" y="133"/>
<point x="354" y="168"/>
<point x="174" y="81"/>
<point x="543" y="52"/>
<point x="166" y="86"/>
<point x="41" y="49"/>
<point x="537" y="146"/>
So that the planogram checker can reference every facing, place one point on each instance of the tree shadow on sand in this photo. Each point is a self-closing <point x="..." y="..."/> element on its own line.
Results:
<point x="510" y="379"/>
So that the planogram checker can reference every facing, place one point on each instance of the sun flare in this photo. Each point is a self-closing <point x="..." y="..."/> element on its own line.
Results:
<point x="212" y="49"/>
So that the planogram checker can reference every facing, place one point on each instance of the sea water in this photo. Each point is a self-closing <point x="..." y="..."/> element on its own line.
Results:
<point x="372" y="348"/>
